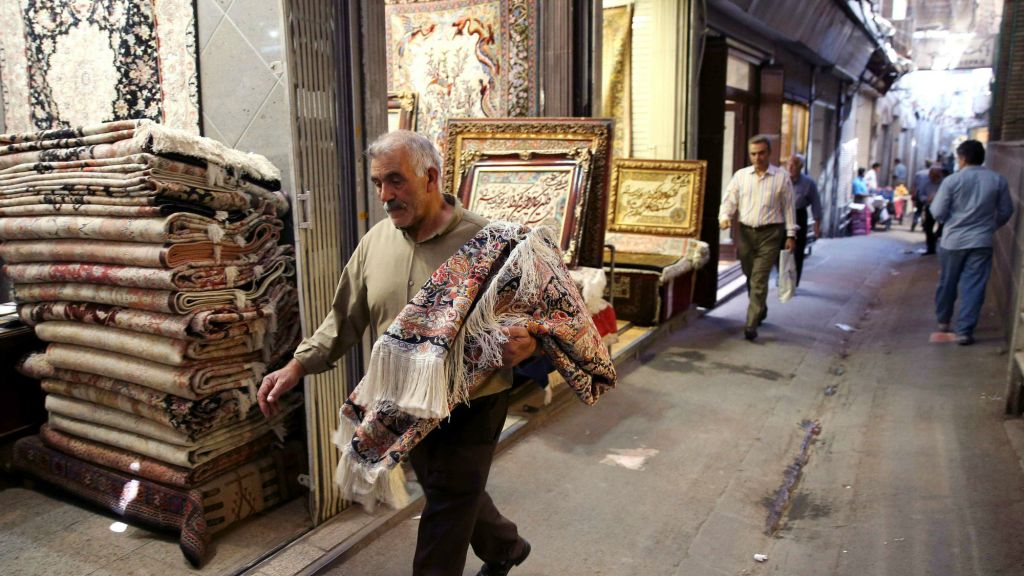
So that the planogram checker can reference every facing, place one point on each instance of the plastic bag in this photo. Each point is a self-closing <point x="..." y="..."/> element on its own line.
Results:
<point x="787" y="275"/>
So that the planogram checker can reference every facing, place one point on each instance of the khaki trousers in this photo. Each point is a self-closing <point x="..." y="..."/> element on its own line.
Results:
<point x="758" y="250"/>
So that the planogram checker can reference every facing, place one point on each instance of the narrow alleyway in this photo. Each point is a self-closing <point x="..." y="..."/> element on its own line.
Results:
<point x="676" y="473"/>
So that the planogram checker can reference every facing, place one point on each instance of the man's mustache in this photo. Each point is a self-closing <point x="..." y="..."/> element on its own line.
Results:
<point x="394" y="205"/>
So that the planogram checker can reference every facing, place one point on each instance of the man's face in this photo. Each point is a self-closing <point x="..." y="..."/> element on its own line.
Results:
<point x="795" y="167"/>
<point x="403" y="193"/>
<point x="759" y="155"/>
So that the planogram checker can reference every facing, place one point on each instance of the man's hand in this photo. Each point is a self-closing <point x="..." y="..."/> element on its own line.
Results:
<point x="817" y="230"/>
<point x="520" y="346"/>
<point x="277" y="383"/>
<point x="724" y="224"/>
<point x="790" y="243"/>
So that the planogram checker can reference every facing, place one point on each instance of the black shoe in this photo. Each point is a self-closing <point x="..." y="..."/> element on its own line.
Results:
<point x="502" y="568"/>
<point x="965" y="339"/>
<point x="750" y="333"/>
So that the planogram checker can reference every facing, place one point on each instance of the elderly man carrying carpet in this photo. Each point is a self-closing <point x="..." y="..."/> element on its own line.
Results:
<point x="457" y="301"/>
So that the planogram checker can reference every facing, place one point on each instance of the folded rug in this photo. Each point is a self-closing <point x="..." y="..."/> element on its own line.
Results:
<point x="148" y="138"/>
<point x="56" y="143"/>
<point x="189" y="417"/>
<point x="72" y="133"/>
<point x="448" y="340"/>
<point x="204" y="325"/>
<point x="170" y="302"/>
<point x="187" y="456"/>
<point x="203" y="253"/>
<point x="146" y="467"/>
<point x="177" y="227"/>
<point x="153" y="347"/>
<point x="193" y="381"/>
<point x="186" y="278"/>
<point x="195" y="513"/>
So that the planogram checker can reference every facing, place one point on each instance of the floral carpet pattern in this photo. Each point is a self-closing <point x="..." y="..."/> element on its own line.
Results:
<point x="71" y="63"/>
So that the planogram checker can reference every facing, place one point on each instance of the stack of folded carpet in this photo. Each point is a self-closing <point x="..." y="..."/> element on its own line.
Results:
<point x="149" y="260"/>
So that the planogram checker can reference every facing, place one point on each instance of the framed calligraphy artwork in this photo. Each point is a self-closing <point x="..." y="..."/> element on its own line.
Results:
<point x="543" y="188"/>
<point x="468" y="140"/>
<point x="662" y="197"/>
<point x="401" y="111"/>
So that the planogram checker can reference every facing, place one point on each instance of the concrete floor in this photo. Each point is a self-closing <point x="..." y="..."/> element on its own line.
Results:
<point x="676" y="473"/>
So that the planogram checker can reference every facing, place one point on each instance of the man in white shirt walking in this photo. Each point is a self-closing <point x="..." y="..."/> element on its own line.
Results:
<point x="763" y="196"/>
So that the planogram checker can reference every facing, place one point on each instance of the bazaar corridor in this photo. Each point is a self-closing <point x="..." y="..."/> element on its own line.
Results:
<point x="679" y="471"/>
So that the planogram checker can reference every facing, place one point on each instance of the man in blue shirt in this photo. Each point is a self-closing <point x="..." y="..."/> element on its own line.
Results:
<point x="972" y="203"/>
<point x="860" y="187"/>
<point x="899" y="173"/>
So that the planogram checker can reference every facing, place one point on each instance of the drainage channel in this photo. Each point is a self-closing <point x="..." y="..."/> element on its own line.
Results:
<point x="790" y="478"/>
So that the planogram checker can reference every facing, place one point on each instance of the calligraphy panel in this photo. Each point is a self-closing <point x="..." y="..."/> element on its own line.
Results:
<point x="533" y="189"/>
<point x="663" y="197"/>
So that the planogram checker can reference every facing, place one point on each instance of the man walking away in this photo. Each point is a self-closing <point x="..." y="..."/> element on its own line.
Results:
<point x="932" y="229"/>
<point x="972" y="203"/>
<point x="899" y="173"/>
<point x="763" y="196"/>
<point x="918" y="193"/>
<point x="805" y="195"/>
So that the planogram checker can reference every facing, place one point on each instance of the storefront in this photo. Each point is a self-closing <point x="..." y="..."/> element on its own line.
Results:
<point x="307" y="84"/>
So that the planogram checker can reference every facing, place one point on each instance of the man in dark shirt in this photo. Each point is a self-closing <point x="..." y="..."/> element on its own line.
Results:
<point x="918" y="194"/>
<point x="805" y="195"/>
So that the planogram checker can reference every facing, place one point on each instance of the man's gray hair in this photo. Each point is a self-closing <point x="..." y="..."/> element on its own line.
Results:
<point x="800" y="158"/>
<point x="422" y="153"/>
<point x="761" y="139"/>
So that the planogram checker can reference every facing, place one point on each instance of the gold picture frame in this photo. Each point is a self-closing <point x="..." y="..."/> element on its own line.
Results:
<point x="532" y="188"/>
<point x="465" y="138"/>
<point x="660" y="197"/>
<point x="402" y="111"/>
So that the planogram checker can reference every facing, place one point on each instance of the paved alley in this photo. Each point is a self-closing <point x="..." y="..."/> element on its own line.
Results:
<point x="871" y="452"/>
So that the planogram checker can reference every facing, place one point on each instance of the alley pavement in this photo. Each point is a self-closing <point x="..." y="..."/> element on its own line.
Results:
<point x="829" y="451"/>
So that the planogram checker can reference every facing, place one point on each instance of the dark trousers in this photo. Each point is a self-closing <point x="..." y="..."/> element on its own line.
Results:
<point x="452" y="464"/>
<point x="801" y="242"/>
<point x="931" y="234"/>
<point x="758" y="249"/>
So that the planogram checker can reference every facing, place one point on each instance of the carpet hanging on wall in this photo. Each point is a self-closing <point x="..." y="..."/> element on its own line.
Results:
<point x="463" y="58"/>
<point x="66" y="63"/>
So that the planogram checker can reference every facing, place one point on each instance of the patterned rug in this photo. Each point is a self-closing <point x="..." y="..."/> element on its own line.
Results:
<point x="185" y="278"/>
<point x="193" y="381"/>
<point x="145" y="467"/>
<point x="166" y="301"/>
<point x="463" y="58"/>
<point x="206" y="325"/>
<point x="189" y="417"/>
<point x="222" y="164"/>
<point x="71" y="64"/>
<point x="140" y="436"/>
<point x="152" y="347"/>
<point x="196" y="514"/>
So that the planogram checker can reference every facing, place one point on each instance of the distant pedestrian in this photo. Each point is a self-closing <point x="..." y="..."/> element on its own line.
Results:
<point x="871" y="178"/>
<point x="899" y="173"/>
<point x="860" y="187"/>
<point x="932" y="228"/>
<point x="763" y="196"/>
<point x="973" y="203"/>
<point x="918" y="193"/>
<point x="805" y="195"/>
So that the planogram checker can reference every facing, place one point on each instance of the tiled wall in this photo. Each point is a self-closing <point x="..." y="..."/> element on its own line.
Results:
<point x="243" y="80"/>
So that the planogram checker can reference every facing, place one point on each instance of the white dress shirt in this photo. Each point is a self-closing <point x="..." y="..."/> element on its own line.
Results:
<point x="761" y="200"/>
